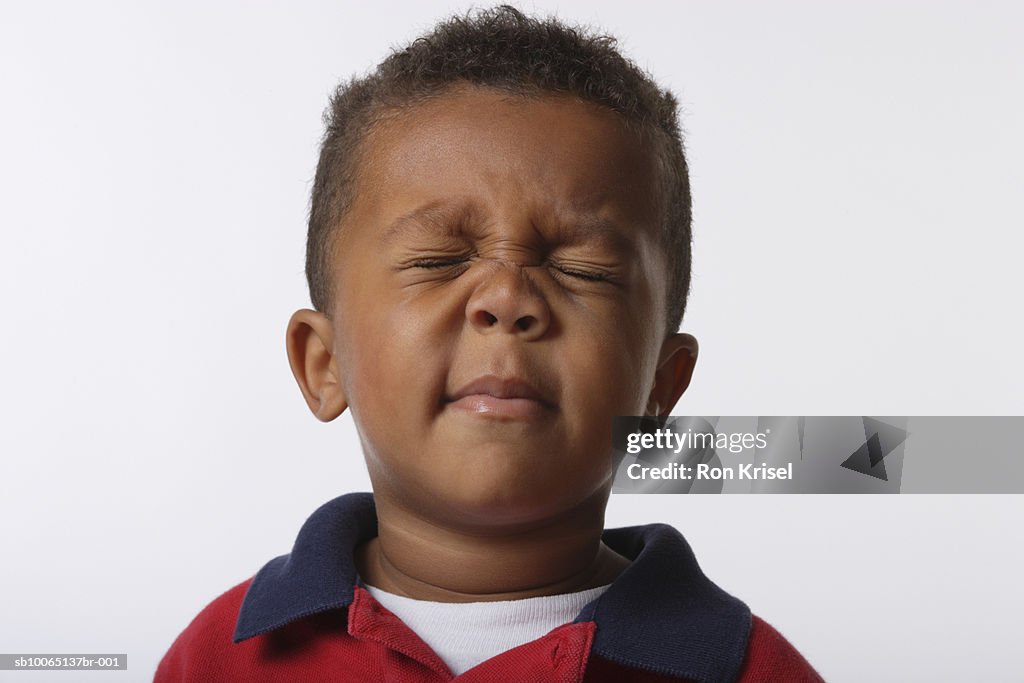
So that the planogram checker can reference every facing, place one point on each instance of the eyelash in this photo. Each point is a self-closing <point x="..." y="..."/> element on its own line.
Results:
<point x="439" y="263"/>
<point x="583" y="274"/>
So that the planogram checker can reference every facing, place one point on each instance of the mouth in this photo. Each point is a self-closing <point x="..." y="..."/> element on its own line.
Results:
<point x="510" y="398"/>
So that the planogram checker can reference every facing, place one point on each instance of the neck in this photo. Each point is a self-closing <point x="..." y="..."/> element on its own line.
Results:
<point x="421" y="559"/>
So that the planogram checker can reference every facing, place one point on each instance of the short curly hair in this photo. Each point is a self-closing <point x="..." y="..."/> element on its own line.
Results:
<point x="500" y="48"/>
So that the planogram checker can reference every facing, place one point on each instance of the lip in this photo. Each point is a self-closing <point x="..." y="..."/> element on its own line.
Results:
<point x="501" y="397"/>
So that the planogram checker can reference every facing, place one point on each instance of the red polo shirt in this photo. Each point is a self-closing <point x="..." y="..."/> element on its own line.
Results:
<point x="306" y="616"/>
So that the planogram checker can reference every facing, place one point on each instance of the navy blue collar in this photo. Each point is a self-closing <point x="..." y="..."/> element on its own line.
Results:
<point x="662" y="614"/>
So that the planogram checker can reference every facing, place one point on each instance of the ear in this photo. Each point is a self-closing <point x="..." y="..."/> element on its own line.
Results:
<point x="675" y="368"/>
<point x="310" y="342"/>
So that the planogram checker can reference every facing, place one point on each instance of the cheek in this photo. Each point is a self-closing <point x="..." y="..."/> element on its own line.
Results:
<point x="602" y="381"/>
<point x="394" y="357"/>
<point x="380" y="390"/>
<point x="605" y="379"/>
<point x="611" y="360"/>
<point x="378" y="375"/>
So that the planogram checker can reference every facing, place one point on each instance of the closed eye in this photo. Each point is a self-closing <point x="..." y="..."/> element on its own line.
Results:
<point x="593" y="277"/>
<point x="438" y="263"/>
<point x="587" y="275"/>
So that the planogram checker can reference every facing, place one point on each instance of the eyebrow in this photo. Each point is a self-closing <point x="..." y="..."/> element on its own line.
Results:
<point x="452" y="221"/>
<point x="587" y="227"/>
<point x="432" y="219"/>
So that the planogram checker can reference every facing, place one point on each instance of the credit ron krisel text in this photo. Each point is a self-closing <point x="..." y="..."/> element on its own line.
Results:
<point x="665" y="439"/>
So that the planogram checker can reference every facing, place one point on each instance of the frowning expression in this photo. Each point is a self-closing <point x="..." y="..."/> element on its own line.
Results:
<point x="499" y="297"/>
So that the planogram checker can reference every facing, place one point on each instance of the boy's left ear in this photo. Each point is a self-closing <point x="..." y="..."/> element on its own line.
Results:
<point x="675" y="368"/>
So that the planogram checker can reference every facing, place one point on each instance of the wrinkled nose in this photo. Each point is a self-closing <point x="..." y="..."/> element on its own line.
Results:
<point x="508" y="301"/>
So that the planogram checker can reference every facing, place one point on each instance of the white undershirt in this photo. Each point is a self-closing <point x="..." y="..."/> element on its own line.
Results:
<point x="463" y="634"/>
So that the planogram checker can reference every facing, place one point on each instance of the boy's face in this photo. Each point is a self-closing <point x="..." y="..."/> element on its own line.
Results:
<point x="499" y="298"/>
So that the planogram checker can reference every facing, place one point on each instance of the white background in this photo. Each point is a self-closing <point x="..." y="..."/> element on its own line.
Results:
<point x="856" y="174"/>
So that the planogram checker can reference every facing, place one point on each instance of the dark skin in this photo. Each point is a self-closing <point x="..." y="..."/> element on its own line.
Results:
<point x="499" y="297"/>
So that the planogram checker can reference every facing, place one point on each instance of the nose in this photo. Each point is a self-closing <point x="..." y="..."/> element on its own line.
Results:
<point x="508" y="301"/>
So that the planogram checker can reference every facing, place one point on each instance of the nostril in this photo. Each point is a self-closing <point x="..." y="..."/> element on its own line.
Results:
<point x="525" y="322"/>
<point x="488" y="318"/>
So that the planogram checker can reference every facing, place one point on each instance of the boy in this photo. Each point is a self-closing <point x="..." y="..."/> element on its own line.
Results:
<point x="498" y="257"/>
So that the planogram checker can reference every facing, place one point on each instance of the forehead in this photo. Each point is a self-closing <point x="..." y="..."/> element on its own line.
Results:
<point x="547" y="154"/>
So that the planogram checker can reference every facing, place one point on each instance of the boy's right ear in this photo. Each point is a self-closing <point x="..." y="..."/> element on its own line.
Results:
<point x="310" y="342"/>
